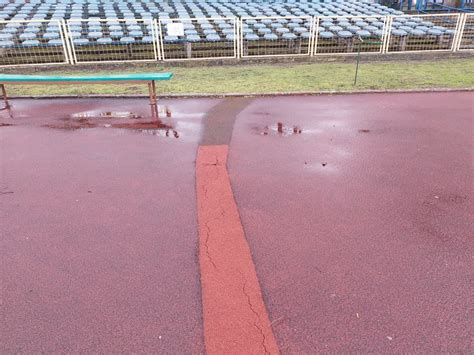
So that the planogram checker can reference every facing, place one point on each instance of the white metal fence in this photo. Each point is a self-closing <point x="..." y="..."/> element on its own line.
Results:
<point x="116" y="40"/>
<point x="36" y="42"/>
<point x="349" y="35"/>
<point x="198" y="38"/>
<point x="276" y="36"/>
<point x="466" y="33"/>
<point x="419" y="33"/>
<point x="32" y="42"/>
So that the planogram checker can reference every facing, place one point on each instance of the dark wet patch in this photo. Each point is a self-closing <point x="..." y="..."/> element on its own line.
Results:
<point x="364" y="130"/>
<point x="72" y="125"/>
<point x="6" y="124"/>
<point x="279" y="129"/>
<point x="142" y="125"/>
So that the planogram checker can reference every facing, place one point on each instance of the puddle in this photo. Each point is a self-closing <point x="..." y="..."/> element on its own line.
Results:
<point x="107" y="114"/>
<point x="279" y="129"/>
<point x="364" y="130"/>
<point x="156" y="128"/>
<point x="6" y="124"/>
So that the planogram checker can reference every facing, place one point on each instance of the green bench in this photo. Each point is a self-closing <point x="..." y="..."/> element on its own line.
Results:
<point x="17" y="79"/>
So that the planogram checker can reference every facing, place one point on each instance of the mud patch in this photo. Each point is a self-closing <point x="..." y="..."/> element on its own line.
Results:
<point x="279" y="129"/>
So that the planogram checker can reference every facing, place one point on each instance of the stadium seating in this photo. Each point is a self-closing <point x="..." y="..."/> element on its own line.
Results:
<point x="94" y="31"/>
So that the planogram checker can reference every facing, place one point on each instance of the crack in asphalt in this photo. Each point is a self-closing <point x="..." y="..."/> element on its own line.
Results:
<point x="206" y="245"/>
<point x="264" y="338"/>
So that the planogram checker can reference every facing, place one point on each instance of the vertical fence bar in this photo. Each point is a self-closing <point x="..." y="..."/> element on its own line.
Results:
<point x="64" y="40"/>
<point x="387" y="32"/>
<point x="156" y="38"/>
<point x="315" y="36"/>
<point x="459" y="32"/>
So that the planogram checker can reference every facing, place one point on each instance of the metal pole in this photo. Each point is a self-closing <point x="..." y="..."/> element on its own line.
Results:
<point x="153" y="100"/>
<point x="5" y="97"/>
<point x="357" y="66"/>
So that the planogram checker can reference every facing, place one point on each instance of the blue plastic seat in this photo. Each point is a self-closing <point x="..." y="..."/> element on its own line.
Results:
<point x="31" y="43"/>
<point x="251" y="37"/>
<point x="363" y="33"/>
<point x="6" y="44"/>
<point x="213" y="37"/>
<point x="289" y="36"/>
<point x="27" y="35"/>
<point x="345" y="34"/>
<point x="170" y="39"/>
<point x="135" y="34"/>
<point x="326" y="35"/>
<point x="418" y="33"/>
<point x="127" y="40"/>
<point x="282" y="30"/>
<point x="94" y="34"/>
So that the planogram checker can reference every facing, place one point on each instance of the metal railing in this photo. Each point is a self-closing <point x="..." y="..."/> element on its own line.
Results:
<point x="38" y="42"/>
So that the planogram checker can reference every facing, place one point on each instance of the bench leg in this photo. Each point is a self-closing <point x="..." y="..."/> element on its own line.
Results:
<point x="5" y="97"/>
<point x="153" y="99"/>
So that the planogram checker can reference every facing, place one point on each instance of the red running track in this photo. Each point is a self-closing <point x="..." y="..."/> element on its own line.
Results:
<point x="361" y="226"/>
<point x="357" y="210"/>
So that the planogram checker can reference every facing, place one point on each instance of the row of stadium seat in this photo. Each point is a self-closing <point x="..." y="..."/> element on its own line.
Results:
<point x="56" y="9"/>
<point x="369" y="21"/>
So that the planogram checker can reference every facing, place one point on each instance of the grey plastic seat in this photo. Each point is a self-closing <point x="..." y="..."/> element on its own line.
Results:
<point x="399" y="33"/>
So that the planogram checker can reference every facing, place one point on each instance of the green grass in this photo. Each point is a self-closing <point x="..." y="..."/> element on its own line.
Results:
<point x="452" y="73"/>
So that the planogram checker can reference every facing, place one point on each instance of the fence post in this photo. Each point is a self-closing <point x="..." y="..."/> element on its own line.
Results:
<point x="459" y="32"/>
<point x="64" y="40"/>
<point x="315" y="34"/>
<point x="156" y="40"/>
<point x="386" y="33"/>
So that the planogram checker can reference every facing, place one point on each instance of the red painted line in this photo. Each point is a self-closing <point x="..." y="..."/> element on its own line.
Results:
<point x="235" y="317"/>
